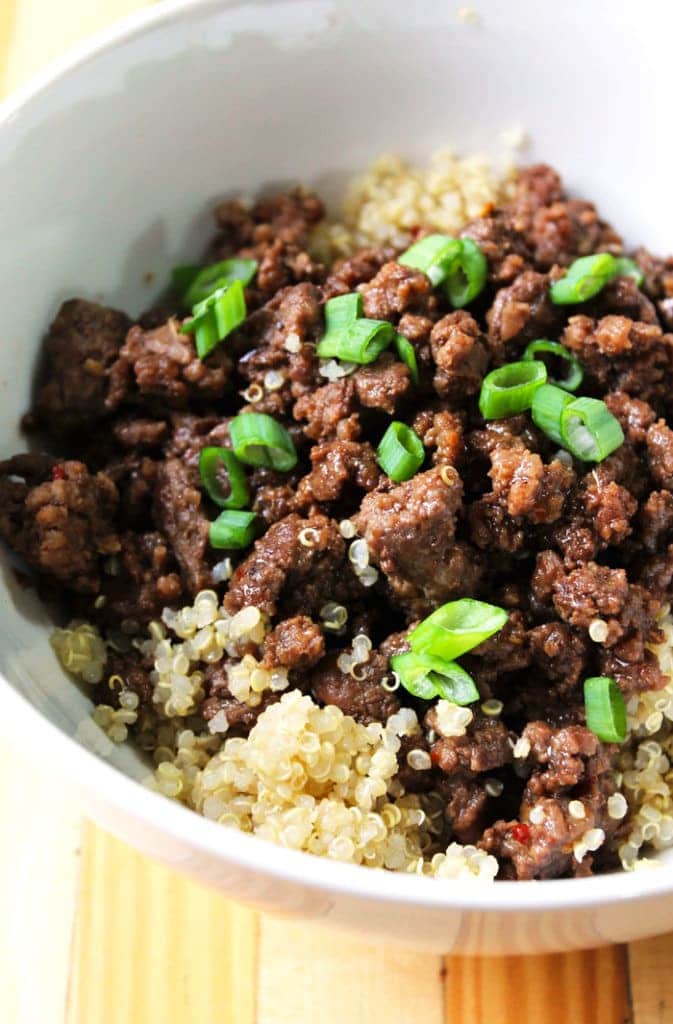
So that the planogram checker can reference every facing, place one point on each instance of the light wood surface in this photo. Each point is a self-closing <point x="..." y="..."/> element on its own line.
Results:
<point x="93" y="933"/>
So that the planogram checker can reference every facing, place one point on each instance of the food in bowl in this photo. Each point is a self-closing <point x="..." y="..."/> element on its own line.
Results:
<point x="374" y="558"/>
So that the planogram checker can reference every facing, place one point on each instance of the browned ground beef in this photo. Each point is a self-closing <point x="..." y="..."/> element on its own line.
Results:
<point x="117" y="518"/>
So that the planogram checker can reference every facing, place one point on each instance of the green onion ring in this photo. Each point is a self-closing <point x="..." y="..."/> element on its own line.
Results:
<point x="259" y="440"/>
<point x="400" y="453"/>
<point x="548" y="404"/>
<point x="510" y="388"/>
<point x="573" y="379"/>
<point x="211" y="459"/>
<point x="426" y="676"/>
<point x="233" y="529"/>
<point x="605" y="709"/>
<point x="589" y="431"/>
<point x="457" y="627"/>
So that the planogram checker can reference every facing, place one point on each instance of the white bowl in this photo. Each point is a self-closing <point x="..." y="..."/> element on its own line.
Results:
<point x="109" y="166"/>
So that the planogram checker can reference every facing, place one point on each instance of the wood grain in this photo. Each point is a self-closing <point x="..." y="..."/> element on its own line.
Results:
<point x="589" y="987"/>
<point x="651" y="977"/>
<point x="309" y="974"/>
<point x="152" y="946"/>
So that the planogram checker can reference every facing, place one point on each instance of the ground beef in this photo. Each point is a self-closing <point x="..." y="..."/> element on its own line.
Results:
<point x="656" y="519"/>
<point x="355" y="270"/>
<point x="619" y="354"/>
<point x="134" y="672"/>
<point x="141" y="581"/>
<point x="293" y="315"/>
<point x="136" y="433"/>
<point x="63" y="526"/>
<point x="335" y="410"/>
<point x="634" y="415"/>
<point x="483" y="748"/>
<point x="340" y="469"/>
<point x="443" y="433"/>
<point x="660" y="453"/>
<point x="557" y="229"/>
<point x="410" y="534"/>
<point x="295" y="643"/>
<point x="360" y="694"/>
<point x="521" y="313"/>
<point x="162" y="365"/>
<point x="396" y="290"/>
<point x="297" y="566"/>
<point x="82" y="344"/>
<point x="275" y="233"/>
<point x="503" y="246"/>
<point x="179" y="514"/>
<point x="191" y="433"/>
<point x="241" y="717"/>
<point x="528" y="488"/>
<point x="460" y="355"/>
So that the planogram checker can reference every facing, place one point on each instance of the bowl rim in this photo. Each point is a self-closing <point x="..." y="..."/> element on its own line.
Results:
<point x="102" y="780"/>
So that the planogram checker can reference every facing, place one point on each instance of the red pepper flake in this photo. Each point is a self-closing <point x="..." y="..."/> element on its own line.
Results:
<point x="435" y="754"/>
<point x="521" y="833"/>
<point x="415" y="230"/>
<point x="58" y="473"/>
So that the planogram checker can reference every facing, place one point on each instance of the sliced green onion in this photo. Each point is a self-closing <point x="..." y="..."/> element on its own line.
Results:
<point x="548" y="404"/>
<point x="342" y="310"/>
<point x="362" y="341"/>
<point x="605" y="709"/>
<point x="196" y="283"/>
<point x="407" y="354"/>
<point x="510" y="388"/>
<point x="211" y="462"/>
<point x="457" y="627"/>
<point x="216" y="317"/>
<point x="589" y="430"/>
<point x="426" y="676"/>
<point x="575" y="373"/>
<point x="467" y="275"/>
<point x="232" y="529"/>
<point x="400" y="452"/>
<point x="259" y="440"/>
<point x="414" y="672"/>
<point x="624" y="267"/>
<point x="434" y="255"/>
<point x="584" y="279"/>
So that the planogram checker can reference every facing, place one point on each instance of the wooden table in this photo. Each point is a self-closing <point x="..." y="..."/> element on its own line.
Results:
<point x="93" y="933"/>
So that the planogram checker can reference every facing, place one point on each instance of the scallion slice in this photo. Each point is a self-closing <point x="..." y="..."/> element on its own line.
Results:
<point x="589" y="430"/>
<point x="212" y="461"/>
<point x="510" y="388"/>
<point x="259" y="440"/>
<point x="548" y="404"/>
<point x="401" y="452"/>
<point x="434" y="255"/>
<point x="584" y="279"/>
<point x="196" y="283"/>
<point x="216" y="317"/>
<point x="573" y="377"/>
<point x="407" y="354"/>
<point x="467" y="274"/>
<point x="605" y="709"/>
<point x="232" y="529"/>
<point x="426" y="676"/>
<point x="342" y="310"/>
<point x="362" y="341"/>
<point x="457" y="627"/>
<point x="624" y="267"/>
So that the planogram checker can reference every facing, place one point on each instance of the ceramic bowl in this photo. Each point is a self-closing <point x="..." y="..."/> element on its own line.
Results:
<point x="109" y="167"/>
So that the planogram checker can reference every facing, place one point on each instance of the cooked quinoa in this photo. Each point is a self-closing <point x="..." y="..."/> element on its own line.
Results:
<point x="406" y="620"/>
<point x="388" y="202"/>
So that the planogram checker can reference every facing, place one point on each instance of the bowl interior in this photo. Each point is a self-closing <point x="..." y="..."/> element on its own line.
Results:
<point x="109" y="171"/>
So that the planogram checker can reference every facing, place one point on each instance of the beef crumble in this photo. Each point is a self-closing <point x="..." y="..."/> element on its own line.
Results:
<point x="580" y="556"/>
